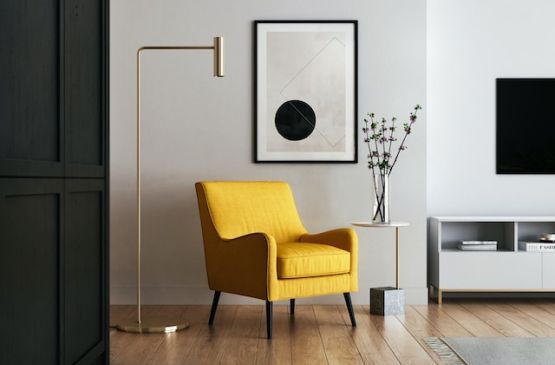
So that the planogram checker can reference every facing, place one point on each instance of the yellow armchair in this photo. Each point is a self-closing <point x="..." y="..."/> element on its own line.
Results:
<point x="256" y="245"/>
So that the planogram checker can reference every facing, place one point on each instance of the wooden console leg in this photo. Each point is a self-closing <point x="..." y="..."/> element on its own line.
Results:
<point x="439" y="296"/>
<point x="431" y="292"/>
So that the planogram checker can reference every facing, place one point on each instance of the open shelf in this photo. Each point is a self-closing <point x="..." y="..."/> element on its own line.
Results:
<point x="452" y="233"/>
<point x="531" y="231"/>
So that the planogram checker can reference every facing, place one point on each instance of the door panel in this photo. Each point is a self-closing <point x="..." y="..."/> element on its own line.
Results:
<point x="84" y="267"/>
<point x="31" y="224"/>
<point x="84" y="59"/>
<point x="31" y="127"/>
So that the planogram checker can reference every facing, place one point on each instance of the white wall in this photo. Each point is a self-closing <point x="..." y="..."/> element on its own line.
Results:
<point x="470" y="44"/>
<point x="197" y="127"/>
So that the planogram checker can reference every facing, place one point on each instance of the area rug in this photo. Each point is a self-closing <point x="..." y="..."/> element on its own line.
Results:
<point x="493" y="350"/>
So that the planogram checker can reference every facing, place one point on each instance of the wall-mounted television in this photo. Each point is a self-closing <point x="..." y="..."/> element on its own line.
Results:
<point x="525" y="126"/>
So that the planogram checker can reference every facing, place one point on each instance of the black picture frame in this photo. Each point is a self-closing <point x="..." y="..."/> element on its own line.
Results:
<point x="532" y="97"/>
<point x="256" y="155"/>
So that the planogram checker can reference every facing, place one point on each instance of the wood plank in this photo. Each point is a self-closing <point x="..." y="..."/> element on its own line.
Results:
<point x="306" y="344"/>
<point x="503" y="325"/>
<point x="336" y="337"/>
<point x="537" y="312"/>
<point x="240" y="343"/>
<point x="405" y="347"/>
<point x="547" y="305"/>
<point x="442" y="321"/>
<point x="525" y="321"/>
<point x="370" y="344"/>
<point x="118" y="314"/>
<point x="208" y="345"/>
<point x="176" y="348"/>
<point x="420" y="329"/>
<point x="278" y="349"/>
<point x="469" y="321"/>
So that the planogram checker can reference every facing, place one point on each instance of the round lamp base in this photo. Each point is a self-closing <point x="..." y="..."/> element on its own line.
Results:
<point x="151" y="326"/>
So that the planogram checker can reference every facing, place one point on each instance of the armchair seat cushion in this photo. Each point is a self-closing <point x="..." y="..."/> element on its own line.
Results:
<point x="301" y="260"/>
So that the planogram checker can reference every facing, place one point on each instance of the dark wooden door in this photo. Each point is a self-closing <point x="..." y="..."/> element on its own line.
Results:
<point x="31" y="91"/>
<point x="85" y="104"/>
<point x="53" y="174"/>
<point x="31" y="228"/>
<point x="53" y="94"/>
<point x="85" y="269"/>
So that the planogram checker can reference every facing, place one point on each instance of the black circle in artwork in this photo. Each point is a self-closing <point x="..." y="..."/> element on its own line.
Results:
<point x="295" y="120"/>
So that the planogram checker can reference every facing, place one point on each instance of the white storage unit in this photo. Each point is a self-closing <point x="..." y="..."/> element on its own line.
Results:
<point x="507" y="270"/>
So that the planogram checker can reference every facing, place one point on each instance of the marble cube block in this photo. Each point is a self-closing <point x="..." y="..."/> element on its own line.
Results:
<point x="387" y="301"/>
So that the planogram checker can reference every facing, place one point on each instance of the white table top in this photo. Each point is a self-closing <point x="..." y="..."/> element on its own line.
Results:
<point x="380" y="225"/>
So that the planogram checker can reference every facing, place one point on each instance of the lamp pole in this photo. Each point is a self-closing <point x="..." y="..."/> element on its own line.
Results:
<point x="154" y="325"/>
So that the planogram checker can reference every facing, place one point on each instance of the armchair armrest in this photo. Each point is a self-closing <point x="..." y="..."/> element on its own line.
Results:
<point x="343" y="238"/>
<point x="244" y="265"/>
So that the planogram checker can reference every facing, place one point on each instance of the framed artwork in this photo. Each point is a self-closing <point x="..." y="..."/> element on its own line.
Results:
<point x="306" y="91"/>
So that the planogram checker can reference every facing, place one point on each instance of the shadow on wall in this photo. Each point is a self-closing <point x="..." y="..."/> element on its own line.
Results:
<point x="173" y="253"/>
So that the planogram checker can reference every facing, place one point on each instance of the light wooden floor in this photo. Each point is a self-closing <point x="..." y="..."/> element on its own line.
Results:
<point x="321" y="334"/>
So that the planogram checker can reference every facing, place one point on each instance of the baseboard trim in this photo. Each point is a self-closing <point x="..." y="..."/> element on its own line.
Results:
<point x="121" y="295"/>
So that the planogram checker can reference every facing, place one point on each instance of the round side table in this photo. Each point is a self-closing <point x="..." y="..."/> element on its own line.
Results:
<point x="387" y="300"/>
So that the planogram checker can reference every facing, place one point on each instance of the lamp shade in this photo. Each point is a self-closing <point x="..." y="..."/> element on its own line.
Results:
<point x="218" y="56"/>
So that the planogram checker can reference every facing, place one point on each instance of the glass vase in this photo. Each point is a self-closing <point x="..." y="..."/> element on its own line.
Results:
<point x="380" y="207"/>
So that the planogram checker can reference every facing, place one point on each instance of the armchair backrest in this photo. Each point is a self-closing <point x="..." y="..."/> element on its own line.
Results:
<point x="237" y="208"/>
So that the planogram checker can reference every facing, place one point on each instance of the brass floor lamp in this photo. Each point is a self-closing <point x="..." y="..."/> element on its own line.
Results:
<point x="155" y="325"/>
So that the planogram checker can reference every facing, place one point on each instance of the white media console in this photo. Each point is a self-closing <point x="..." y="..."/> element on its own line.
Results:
<point x="506" y="270"/>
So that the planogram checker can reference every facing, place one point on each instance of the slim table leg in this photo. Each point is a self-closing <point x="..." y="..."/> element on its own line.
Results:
<point x="397" y="238"/>
<point x="439" y="296"/>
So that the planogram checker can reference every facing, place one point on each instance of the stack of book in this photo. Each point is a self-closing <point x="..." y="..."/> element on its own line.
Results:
<point x="478" y="245"/>
<point x="537" y="246"/>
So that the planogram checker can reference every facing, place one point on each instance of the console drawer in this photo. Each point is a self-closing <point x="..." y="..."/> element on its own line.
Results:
<point x="491" y="270"/>
<point x="548" y="268"/>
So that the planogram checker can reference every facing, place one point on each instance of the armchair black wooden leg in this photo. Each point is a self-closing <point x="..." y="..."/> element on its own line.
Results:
<point x="350" y="308"/>
<point x="214" y="307"/>
<point x="292" y="307"/>
<point x="269" y="308"/>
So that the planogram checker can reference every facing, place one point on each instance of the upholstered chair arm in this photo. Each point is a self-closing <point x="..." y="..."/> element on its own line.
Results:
<point x="247" y="265"/>
<point x="343" y="238"/>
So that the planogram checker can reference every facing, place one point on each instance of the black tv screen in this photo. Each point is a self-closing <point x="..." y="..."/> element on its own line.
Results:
<point x="526" y="126"/>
